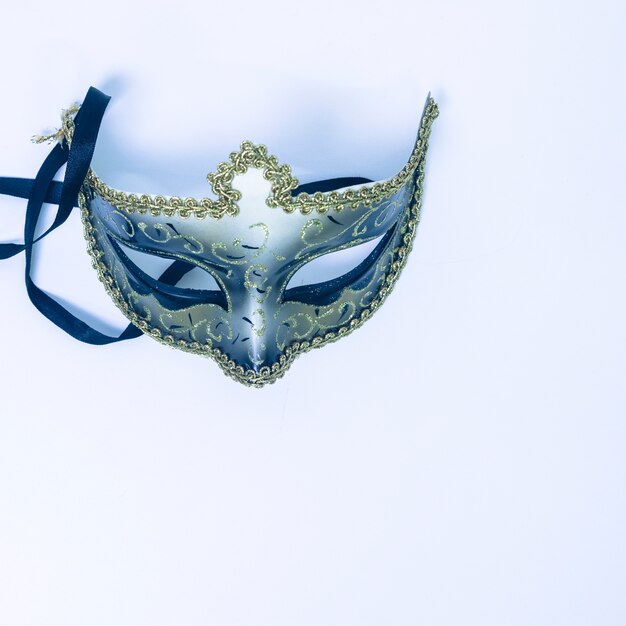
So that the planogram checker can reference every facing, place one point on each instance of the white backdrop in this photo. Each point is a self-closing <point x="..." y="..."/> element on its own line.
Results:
<point x="459" y="459"/>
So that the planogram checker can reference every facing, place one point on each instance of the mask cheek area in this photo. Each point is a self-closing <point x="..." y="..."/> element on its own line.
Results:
<point x="312" y="310"/>
<point x="166" y="295"/>
<point x="144" y="269"/>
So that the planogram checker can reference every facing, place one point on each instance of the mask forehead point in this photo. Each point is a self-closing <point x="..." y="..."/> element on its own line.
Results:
<point x="255" y="156"/>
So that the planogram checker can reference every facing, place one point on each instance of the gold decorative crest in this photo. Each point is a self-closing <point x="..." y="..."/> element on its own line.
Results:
<point x="251" y="155"/>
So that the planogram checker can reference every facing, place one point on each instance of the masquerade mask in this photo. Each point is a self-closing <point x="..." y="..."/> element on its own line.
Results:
<point x="251" y="245"/>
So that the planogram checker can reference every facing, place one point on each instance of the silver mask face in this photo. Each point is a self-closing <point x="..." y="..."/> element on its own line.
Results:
<point x="252" y="241"/>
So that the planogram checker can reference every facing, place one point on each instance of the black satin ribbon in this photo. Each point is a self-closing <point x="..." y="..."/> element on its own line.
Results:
<point x="43" y="189"/>
<point x="330" y="184"/>
<point x="23" y="188"/>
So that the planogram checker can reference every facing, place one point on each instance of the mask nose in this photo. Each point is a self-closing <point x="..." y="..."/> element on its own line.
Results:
<point x="252" y="323"/>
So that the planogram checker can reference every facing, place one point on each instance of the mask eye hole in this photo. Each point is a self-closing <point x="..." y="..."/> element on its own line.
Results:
<point x="198" y="278"/>
<point x="333" y="264"/>
<point x="322" y="280"/>
<point x="174" y="283"/>
<point x="154" y="266"/>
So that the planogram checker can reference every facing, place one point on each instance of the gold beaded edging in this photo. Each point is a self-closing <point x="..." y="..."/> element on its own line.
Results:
<point x="269" y="374"/>
<point x="283" y="182"/>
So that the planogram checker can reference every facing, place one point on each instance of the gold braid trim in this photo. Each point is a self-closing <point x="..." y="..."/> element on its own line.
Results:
<point x="256" y="156"/>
